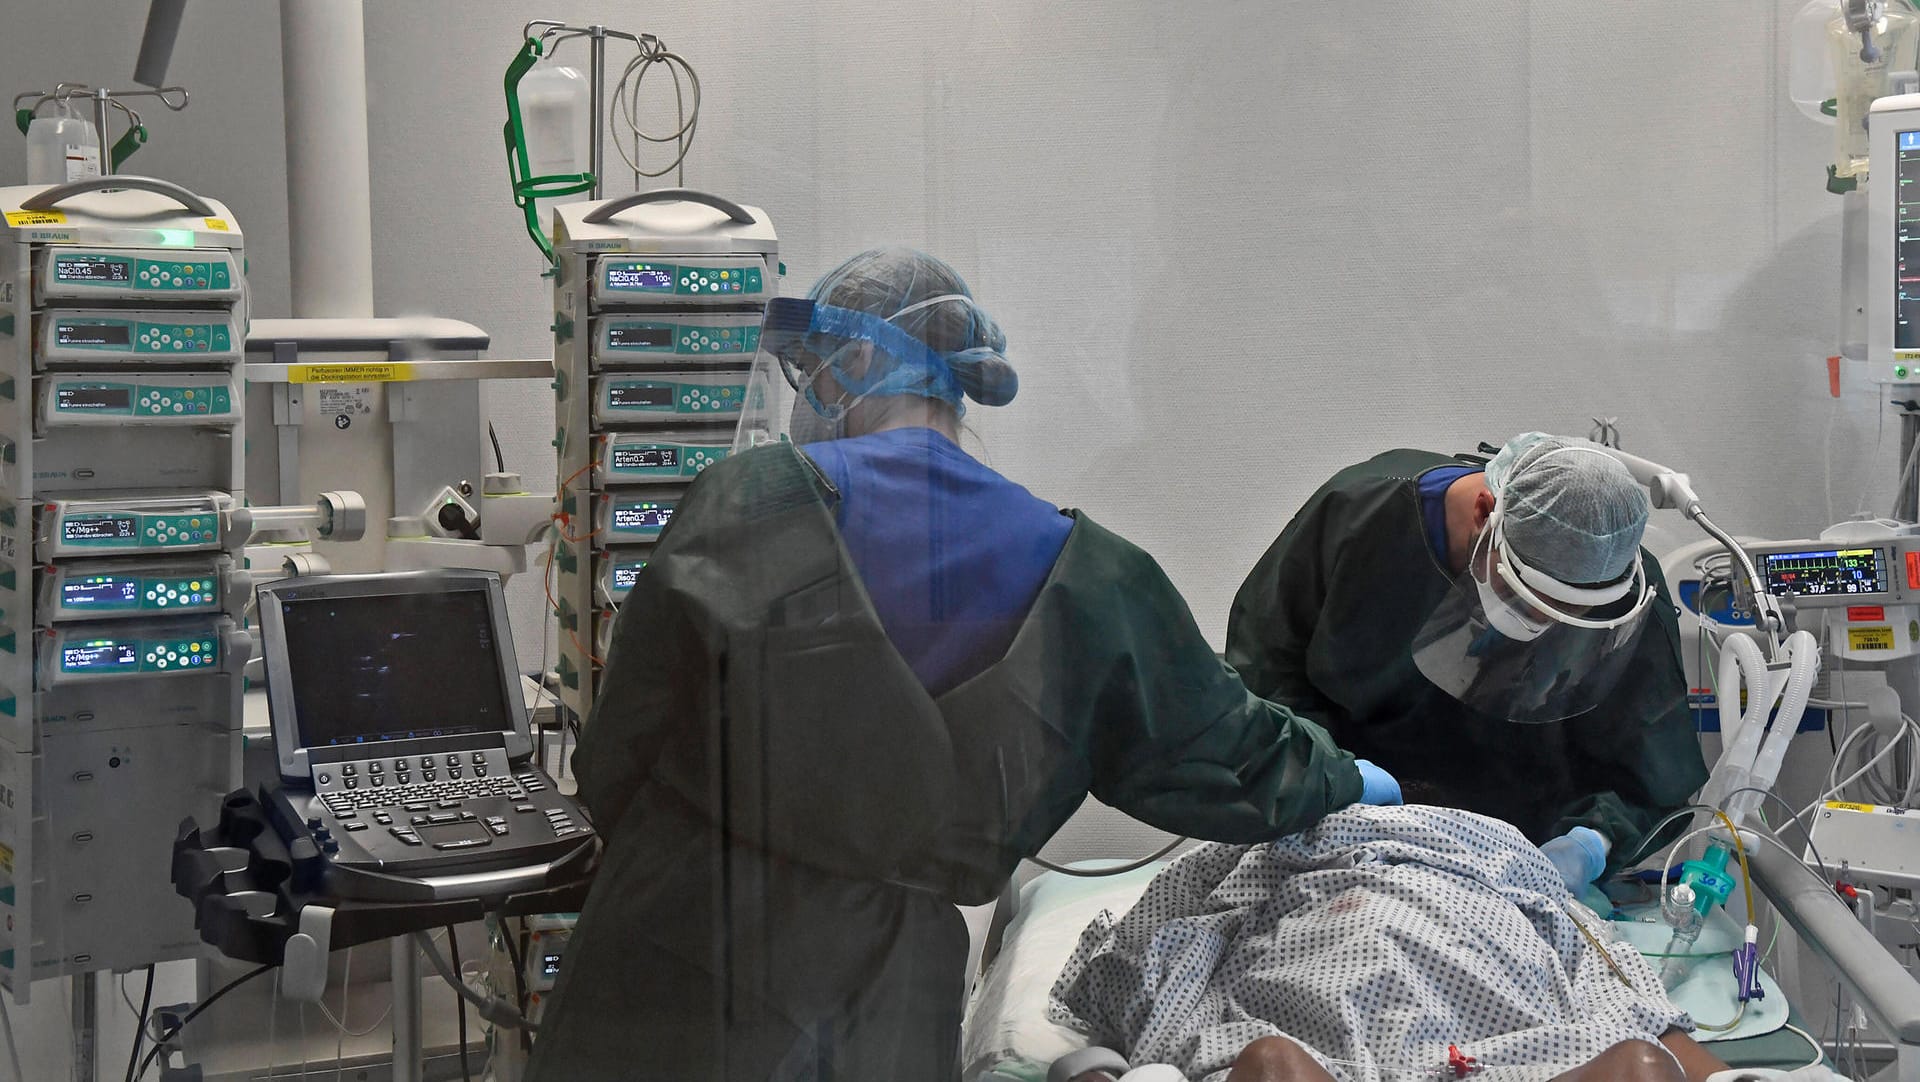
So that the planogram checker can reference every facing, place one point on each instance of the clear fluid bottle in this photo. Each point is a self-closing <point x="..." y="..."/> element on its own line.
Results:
<point x="61" y="147"/>
<point x="556" y="107"/>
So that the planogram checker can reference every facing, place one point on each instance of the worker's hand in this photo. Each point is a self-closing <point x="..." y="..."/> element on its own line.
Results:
<point x="1376" y="785"/>
<point x="1580" y="855"/>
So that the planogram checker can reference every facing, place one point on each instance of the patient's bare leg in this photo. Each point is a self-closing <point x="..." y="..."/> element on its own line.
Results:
<point x="1276" y="1059"/>
<point x="1628" y="1061"/>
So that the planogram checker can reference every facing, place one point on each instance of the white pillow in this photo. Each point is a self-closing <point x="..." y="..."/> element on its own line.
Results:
<point x="1007" y="1033"/>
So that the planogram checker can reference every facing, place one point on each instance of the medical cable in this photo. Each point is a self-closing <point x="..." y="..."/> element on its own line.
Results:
<point x="1805" y="832"/>
<point x="340" y="1023"/>
<point x="139" y="1020"/>
<point x="497" y="1011"/>
<point x="13" y="1054"/>
<point x="459" y="1002"/>
<point x="499" y="459"/>
<point x="1819" y="1050"/>
<point x="508" y="936"/>
<point x="1883" y="791"/>
<point x="652" y="52"/>
<point x="174" y="1030"/>
<point x="1906" y="731"/>
<point x="1090" y="873"/>
<point x="1647" y="847"/>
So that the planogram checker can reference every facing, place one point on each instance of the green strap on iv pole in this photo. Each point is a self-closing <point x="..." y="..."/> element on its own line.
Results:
<point x="526" y="187"/>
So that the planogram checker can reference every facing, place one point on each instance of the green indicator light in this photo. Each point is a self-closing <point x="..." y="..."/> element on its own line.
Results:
<point x="1899" y="371"/>
<point x="176" y="238"/>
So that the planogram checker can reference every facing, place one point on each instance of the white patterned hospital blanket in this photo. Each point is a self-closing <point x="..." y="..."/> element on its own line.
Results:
<point x="1376" y="939"/>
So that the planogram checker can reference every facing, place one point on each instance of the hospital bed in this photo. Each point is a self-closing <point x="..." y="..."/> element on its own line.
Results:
<point x="1035" y="928"/>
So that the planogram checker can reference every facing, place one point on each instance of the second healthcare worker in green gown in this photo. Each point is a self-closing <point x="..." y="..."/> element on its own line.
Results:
<point x="1497" y="633"/>
<point x="860" y="678"/>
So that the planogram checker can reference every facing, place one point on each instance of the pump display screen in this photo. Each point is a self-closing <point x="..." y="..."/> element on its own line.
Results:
<point x="99" y="590"/>
<point x="92" y="334"/>
<point x="108" y="528"/>
<point x="639" y="395"/>
<point x="1825" y="572"/>
<point x="99" y="654"/>
<point x="646" y="458"/>
<point x="625" y="575"/>
<point x="1906" y="213"/>
<point x="645" y="516"/>
<point x="92" y="270"/>
<point x="94" y="398"/>
<point x="639" y="336"/>
<point x="639" y="276"/>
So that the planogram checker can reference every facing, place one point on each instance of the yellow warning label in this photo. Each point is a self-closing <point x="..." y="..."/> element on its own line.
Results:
<point x="6" y="858"/>
<point x="1845" y="806"/>
<point x="36" y="217"/>
<point x="218" y="225"/>
<point x="350" y="373"/>
<point x="1870" y="638"/>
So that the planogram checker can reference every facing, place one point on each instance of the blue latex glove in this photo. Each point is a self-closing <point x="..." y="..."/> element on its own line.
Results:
<point x="1376" y="785"/>
<point x="1580" y="855"/>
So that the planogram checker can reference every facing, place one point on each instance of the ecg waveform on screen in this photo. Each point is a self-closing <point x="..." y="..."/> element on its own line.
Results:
<point x="1906" y="310"/>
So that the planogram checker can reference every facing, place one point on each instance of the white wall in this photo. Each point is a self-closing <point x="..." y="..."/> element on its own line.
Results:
<point x="1235" y="245"/>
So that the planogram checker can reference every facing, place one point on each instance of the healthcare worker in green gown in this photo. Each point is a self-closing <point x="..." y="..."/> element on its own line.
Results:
<point x="860" y="678"/>
<point x="1496" y="632"/>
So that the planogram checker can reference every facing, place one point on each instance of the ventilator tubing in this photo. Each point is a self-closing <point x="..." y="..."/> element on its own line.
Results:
<point x="1752" y="753"/>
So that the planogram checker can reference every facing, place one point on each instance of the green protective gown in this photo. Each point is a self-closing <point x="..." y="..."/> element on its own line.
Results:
<point x="790" y="818"/>
<point x="1325" y="623"/>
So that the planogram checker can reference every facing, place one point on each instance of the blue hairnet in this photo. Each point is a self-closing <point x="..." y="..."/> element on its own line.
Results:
<point x="966" y="347"/>
<point x="1570" y="509"/>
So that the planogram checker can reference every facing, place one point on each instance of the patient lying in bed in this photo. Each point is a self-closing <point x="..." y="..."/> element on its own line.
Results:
<point x="1374" y="947"/>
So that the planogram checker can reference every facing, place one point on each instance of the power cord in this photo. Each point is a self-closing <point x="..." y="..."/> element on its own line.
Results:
<point x="140" y="1021"/>
<point x="508" y="934"/>
<point x="459" y="1002"/>
<point x="1088" y="873"/>
<point x="174" y="1031"/>
<point x="13" y="1054"/>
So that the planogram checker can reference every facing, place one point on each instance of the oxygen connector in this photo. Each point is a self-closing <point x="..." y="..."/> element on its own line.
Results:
<point x="1704" y="883"/>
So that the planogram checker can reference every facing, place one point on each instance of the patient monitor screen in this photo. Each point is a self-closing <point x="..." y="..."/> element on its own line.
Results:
<point x="1825" y="572"/>
<point x="1906" y="226"/>
<point x="393" y="666"/>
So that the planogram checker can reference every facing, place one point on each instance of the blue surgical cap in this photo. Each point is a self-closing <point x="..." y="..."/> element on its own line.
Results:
<point x="1570" y="509"/>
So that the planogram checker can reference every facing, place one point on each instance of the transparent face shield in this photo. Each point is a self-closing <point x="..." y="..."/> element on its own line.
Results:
<point x="1511" y="642"/>
<point x="818" y="361"/>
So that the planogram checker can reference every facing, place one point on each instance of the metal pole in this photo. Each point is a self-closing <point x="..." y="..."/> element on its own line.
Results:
<point x="596" y="76"/>
<point x="86" y="1025"/>
<point x="409" y="1043"/>
<point x="100" y="115"/>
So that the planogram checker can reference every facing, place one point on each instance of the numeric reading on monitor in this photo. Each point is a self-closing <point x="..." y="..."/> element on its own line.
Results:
<point x="645" y="458"/>
<point x="92" y="269"/>
<point x="1825" y="572"/>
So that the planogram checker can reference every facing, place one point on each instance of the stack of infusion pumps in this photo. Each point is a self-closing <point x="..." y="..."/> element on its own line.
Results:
<point x="123" y="315"/>
<point x="657" y="305"/>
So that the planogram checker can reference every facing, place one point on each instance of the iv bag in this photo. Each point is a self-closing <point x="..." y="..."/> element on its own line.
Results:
<point x="555" y="108"/>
